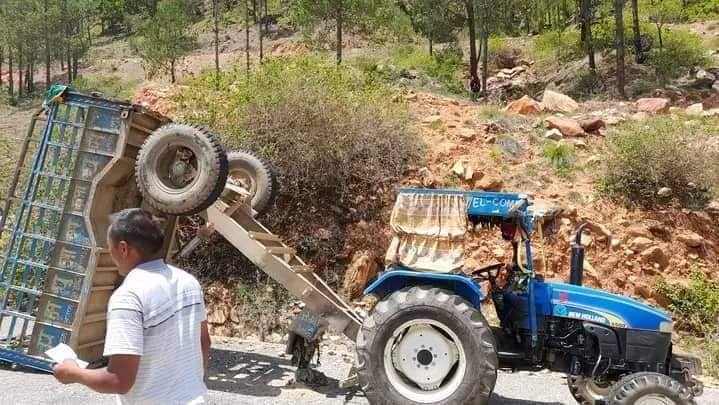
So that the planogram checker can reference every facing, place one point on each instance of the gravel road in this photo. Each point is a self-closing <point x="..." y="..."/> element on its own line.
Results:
<point x="249" y="372"/>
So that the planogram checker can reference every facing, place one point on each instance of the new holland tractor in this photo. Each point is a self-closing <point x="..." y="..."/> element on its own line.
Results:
<point x="425" y="341"/>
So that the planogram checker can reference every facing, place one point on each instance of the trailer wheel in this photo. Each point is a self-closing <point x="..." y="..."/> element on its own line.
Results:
<point x="588" y="391"/>
<point x="181" y="169"/>
<point x="648" y="388"/>
<point x="425" y="345"/>
<point x="255" y="175"/>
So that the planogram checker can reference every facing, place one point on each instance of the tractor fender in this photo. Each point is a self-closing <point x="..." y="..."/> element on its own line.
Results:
<point x="397" y="278"/>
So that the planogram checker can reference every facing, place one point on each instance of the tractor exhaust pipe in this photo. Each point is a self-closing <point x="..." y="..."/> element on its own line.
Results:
<point x="576" y="269"/>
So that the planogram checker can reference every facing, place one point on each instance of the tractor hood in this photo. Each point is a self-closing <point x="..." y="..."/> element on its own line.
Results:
<point x="572" y="301"/>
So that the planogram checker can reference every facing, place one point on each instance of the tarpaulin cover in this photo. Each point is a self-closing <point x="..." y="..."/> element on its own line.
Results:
<point x="429" y="231"/>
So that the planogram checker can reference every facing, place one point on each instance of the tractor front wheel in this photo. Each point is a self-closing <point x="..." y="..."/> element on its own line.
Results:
<point x="648" y="388"/>
<point x="589" y="391"/>
<point x="426" y="345"/>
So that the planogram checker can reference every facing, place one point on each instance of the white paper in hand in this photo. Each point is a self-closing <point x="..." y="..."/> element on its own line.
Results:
<point x="63" y="352"/>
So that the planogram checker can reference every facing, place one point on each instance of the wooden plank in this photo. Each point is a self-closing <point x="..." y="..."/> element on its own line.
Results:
<point x="303" y="269"/>
<point x="264" y="236"/>
<point x="91" y="344"/>
<point x="92" y="318"/>
<point x="104" y="269"/>
<point x="102" y="288"/>
<point x="281" y="250"/>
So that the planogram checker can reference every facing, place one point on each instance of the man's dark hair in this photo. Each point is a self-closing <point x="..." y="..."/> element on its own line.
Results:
<point x="139" y="229"/>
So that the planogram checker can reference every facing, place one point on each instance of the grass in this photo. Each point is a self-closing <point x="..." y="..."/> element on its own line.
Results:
<point x="641" y="157"/>
<point x="561" y="157"/>
<point x="110" y="87"/>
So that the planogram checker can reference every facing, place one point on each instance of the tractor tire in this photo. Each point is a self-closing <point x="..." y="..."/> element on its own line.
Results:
<point x="647" y="388"/>
<point x="256" y="175"/>
<point x="588" y="391"/>
<point x="158" y="170"/>
<point x="381" y="347"/>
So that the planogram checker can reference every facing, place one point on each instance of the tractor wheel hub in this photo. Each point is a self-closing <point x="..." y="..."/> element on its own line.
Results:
<point x="425" y="356"/>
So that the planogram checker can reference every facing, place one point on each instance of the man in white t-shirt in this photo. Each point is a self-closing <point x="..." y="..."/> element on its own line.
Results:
<point x="157" y="338"/>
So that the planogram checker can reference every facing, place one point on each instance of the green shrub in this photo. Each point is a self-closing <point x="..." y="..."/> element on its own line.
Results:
<point x="644" y="156"/>
<point x="696" y="306"/>
<point x="701" y="10"/>
<point x="557" y="46"/>
<point x="444" y="67"/>
<point x="330" y="132"/>
<point x="501" y="54"/>
<point x="111" y="87"/>
<point x="561" y="156"/>
<point x="682" y="49"/>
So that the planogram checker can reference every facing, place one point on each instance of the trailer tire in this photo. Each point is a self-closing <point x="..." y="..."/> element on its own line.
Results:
<point x="633" y="388"/>
<point x="157" y="169"/>
<point x="255" y="174"/>
<point x="446" y="311"/>
<point x="587" y="391"/>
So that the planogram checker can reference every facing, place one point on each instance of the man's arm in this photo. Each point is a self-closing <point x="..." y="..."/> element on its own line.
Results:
<point x="205" y="343"/>
<point x="117" y="378"/>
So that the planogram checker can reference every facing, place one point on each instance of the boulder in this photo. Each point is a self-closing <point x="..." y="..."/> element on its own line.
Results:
<point x="553" y="134"/>
<point x="467" y="134"/>
<point x="362" y="269"/>
<point x="641" y="243"/>
<point x="638" y="230"/>
<point x="691" y="239"/>
<point x="558" y="102"/>
<point x="592" y="124"/>
<point x="489" y="184"/>
<point x="713" y="208"/>
<point x="653" y="105"/>
<point x="427" y="177"/>
<point x="704" y="79"/>
<point x="463" y="169"/>
<point x="695" y="109"/>
<point x="643" y="291"/>
<point x="525" y="106"/>
<point x="655" y="254"/>
<point x="567" y="126"/>
<point x="715" y="86"/>
<point x="664" y="192"/>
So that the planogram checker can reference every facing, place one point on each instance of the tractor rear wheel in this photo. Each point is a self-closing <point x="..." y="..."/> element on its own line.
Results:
<point x="181" y="169"/>
<point x="588" y="391"/>
<point x="426" y="345"/>
<point x="648" y="388"/>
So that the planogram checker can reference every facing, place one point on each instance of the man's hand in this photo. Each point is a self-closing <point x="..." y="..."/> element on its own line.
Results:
<point x="67" y="372"/>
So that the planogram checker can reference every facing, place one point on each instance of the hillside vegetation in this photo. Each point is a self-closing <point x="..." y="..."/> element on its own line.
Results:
<point x="607" y="109"/>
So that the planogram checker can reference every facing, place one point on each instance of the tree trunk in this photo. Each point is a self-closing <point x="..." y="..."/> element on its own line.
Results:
<point x="474" y="83"/>
<point x="247" y="35"/>
<point x="47" y="50"/>
<point x="11" y="84"/>
<point x="74" y="66"/>
<point x="172" y="71"/>
<point x="20" y="66"/>
<point x="659" y="33"/>
<point x="338" y="18"/>
<point x="619" y="18"/>
<point x="267" y="21"/>
<point x="1" y="61"/>
<point x="638" y="55"/>
<point x="431" y="47"/>
<point x="586" y="19"/>
<point x="216" y="17"/>
<point x="485" y="58"/>
<point x="69" y="65"/>
<point x="260" y="34"/>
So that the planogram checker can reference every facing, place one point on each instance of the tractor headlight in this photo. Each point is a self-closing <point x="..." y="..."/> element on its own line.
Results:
<point x="666" y="327"/>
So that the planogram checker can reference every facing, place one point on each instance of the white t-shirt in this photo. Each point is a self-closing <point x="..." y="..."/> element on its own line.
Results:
<point x="156" y="314"/>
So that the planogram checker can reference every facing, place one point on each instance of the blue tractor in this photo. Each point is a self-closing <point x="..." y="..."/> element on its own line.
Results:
<point x="426" y="341"/>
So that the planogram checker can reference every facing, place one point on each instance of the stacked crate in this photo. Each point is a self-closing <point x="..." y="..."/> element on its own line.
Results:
<point x="57" y="274"/>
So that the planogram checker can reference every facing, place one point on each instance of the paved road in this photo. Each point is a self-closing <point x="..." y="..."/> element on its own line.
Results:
<point x="244" y="372"/>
